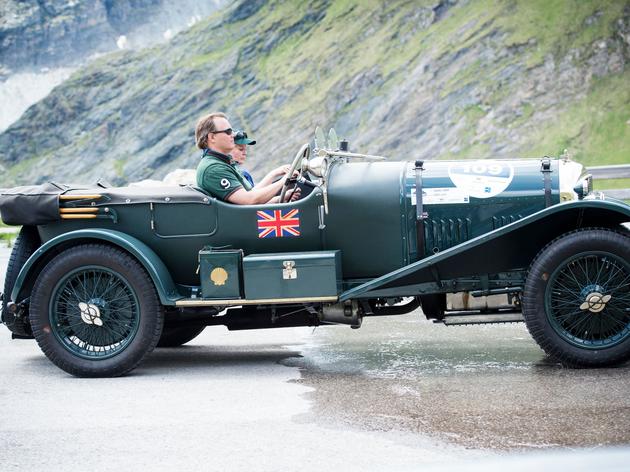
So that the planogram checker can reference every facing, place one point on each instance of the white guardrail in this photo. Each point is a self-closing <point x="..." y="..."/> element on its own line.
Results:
<point x="621" y="171"/>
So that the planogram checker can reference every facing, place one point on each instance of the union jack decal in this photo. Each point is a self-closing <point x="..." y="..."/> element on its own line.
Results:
<point x="278" y="223"/>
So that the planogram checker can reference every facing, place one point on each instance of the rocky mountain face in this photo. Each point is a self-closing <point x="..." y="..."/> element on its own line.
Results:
<point x="51" y="33"/>
<point x="43" y="41"/>
<point x="409" y="80"/>
<point x="36" y="34"/>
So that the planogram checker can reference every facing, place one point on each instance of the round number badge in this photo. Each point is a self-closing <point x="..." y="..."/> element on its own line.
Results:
<point x="481" y="179"/>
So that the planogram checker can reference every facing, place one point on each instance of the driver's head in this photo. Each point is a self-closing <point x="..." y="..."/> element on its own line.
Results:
<point x="214" y="131"/>
<point x="241" y="141"/>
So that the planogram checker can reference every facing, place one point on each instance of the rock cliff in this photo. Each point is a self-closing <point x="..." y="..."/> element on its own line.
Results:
<point x="413" y="80"/>
<point x="52" y="33"/>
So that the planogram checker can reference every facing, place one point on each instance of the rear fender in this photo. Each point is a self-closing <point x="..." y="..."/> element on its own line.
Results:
<point x="509" y="248"/>
<point x="154" y="266"/>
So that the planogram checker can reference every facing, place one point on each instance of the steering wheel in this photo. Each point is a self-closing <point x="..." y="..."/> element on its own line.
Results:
<point x="303" y="153"/>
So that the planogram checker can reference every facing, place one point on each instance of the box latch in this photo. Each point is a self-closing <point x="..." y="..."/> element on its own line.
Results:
<point x="289" y="272"/>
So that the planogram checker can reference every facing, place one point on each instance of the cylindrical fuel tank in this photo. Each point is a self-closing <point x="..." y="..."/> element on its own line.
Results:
<point x="465" y="199"/>
<point x="372" y="205"/>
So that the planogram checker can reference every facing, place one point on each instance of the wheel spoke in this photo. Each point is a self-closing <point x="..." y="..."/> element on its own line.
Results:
<point x="104" y="292"/>
<point x="559" y="304"/>
<point x="583" y="266"/>
<point x="590" y="278"/>
<point x="579" y="320"/>
<point x="569" y="272"/>
<point x="97" y="284"/>
<point x="570" y="314"/>
<point x="567" y="289"/>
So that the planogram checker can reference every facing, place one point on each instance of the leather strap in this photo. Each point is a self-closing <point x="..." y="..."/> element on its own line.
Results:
<point x="545" y="168"/>
<point x="420" y="213"/>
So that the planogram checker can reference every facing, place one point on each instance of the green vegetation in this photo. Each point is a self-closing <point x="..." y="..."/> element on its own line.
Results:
<point x="610" y="184"/>
<point x="8" y="238"/>
<point x="595" y="129"/>
<point x="8" y="234"/>
<point x="470" y="79"/>
<point x="557" y="26"/>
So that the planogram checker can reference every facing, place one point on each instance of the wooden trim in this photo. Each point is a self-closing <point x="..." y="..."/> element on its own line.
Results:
<point x="76" y="216"/>
<point x="78" y="210"/>
<point x="79" y="197"/>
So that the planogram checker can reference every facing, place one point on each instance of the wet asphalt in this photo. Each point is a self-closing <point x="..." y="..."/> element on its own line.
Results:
<point x="484" y="386"/>
<point x="399" y="392"/>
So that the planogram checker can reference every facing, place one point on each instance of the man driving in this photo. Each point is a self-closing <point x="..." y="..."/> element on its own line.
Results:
<point x="216" y="173"/>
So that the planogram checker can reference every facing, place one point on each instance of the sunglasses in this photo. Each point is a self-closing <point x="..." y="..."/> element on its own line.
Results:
<point x="227" y="131"/>
<point x="240" y="135"/>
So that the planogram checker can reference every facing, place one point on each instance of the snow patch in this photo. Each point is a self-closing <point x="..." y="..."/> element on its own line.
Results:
<point x="21" y="90"/>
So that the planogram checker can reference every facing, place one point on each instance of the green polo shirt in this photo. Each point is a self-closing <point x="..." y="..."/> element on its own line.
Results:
<point x="217" y="175"/>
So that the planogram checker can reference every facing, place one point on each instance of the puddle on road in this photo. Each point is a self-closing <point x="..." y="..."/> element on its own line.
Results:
<point x="407" y="347"/>
<point x="487" y="386"/>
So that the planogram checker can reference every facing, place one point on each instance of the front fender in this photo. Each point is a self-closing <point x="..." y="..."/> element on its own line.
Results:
<point x="156" y="269"/>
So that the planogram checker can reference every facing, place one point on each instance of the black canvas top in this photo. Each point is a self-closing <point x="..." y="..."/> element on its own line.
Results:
<point x="39" y="204"/>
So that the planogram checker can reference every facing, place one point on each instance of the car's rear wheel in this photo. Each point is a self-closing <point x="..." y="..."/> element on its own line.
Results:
<point x="25" y="245"/>
<point x="174" y="335"/>
<point x="95" y="312"/>
<point x="576" y="300"/>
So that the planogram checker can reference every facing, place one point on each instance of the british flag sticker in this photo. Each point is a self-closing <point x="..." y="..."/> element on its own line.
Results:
<point x="278" y="223"/>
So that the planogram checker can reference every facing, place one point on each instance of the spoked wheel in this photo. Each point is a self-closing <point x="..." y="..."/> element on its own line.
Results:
<point x="94" y="311"/>
<point x="576" y="301"/>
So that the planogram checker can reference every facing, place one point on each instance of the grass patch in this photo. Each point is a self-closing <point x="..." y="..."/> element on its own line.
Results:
<point x="8" y="239"/>
<point x="610" y="184"/>
<point x="557" y="26"/>
<point x="596" y="129"/>
<point x="15" y="173"/>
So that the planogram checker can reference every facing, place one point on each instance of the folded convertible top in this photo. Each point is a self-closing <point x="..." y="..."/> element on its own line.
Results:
<point x="39" y="204"/>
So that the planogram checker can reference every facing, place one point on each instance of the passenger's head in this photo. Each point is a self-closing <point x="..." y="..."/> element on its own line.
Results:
<point x="241" y="141"/>
<point x="214" y="131"/>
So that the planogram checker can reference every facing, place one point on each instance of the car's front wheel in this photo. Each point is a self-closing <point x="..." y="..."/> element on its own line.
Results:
<point x="95" y="312"/>
<point x="576" y="300"/>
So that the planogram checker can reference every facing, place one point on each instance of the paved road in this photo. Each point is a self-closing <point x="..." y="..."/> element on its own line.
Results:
<point x="397" y="394"/>
<point x="476" y="386"/>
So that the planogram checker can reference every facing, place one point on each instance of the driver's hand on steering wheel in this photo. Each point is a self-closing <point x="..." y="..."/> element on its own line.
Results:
<point x="280" y="171"/>
<point x="283" y="170"/>
<point x="293" y="195"/>
<point x="296" y="173"/>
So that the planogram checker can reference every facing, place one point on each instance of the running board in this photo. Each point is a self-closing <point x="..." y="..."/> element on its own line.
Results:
<point x="190" y="302"/>
<point x="454" y="319"/>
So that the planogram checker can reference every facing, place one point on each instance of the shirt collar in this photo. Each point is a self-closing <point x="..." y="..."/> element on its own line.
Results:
<point x="224" y="157"/>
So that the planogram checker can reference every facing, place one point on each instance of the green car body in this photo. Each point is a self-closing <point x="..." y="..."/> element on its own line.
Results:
<point x="359" y="244"/>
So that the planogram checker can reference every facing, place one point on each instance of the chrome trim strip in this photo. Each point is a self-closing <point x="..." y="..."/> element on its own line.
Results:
<point x="241" y="301"/>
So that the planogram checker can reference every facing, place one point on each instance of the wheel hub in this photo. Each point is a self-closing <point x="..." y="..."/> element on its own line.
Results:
<point x="90" y="314"/>
<point x="595" y="302"/>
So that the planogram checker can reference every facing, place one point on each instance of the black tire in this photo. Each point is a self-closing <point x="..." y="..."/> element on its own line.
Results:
<point x="174" y="335"/>
<point x="25" y="245"/>
<point x="625" y="230"/>
<point x="576" y="300"/>
<point x="95" y="312"/>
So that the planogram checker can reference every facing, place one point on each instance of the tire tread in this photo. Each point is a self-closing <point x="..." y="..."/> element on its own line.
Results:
<point x="145" y="291"/>
<point x="536" y="323"/>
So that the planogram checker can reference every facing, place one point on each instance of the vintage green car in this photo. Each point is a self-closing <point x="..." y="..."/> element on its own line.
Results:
<point x="100" y="276"/>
